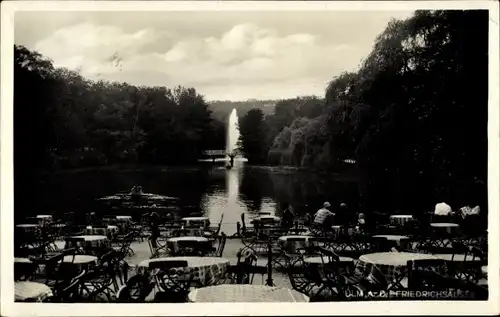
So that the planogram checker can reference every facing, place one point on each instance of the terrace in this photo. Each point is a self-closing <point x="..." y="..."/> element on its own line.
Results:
<point x="117" y="259"/>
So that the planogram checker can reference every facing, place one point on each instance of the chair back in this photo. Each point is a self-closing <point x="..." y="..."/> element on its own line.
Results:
<point x="70" y="253"/>
<point x="137" y="288"/>
<point x="478" y="254"/>
<point x="246" y="260"/>
<point x="418" y="270"/>
<point x="220" y="246"/>
<point x="380" y="244"/>
<point x="70" y="293"/>
<point x="459" y="247"/>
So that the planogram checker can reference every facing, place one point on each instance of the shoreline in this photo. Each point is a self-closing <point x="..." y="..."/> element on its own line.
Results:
<point x="347" y="176"/>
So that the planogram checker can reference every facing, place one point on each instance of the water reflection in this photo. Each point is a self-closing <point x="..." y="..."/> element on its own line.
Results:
<point x="210" y="190"/>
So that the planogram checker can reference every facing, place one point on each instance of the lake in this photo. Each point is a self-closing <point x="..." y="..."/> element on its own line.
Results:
<point x="207" y="189"/>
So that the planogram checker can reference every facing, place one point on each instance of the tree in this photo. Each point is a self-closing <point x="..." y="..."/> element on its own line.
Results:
<point x="252" y="136"/>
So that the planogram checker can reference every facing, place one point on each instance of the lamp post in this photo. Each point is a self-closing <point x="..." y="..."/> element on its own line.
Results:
<point x="269" y="281"/>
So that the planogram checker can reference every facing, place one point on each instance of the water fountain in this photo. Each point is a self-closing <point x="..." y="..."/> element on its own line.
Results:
<point x="233" y="134"/>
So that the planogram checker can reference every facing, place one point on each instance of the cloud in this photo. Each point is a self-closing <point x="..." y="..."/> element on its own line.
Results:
<point x="244" y="61"/>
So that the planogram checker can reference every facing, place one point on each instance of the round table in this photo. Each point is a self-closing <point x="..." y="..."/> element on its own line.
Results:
<point x="124" y="218"/>
<point x="267" y="219"/>
<point x="286" y="238"/>
<point x="196" y="221"/>
<point x="318" y="260"/>
<point x="206" y="270"/>
<point x="400" y="219"/>
<point x="456" y="257"/>
<point x="173" y="242"/>
<point x="109" y="230"/>
<point x="80" y="259"/>
<point x="293" y="242"/>
<point x="22" y="260"/>
<point x="391" y="264"/>
<point x="233" y="293"/>
<point x="93" y="240"/>
<point x="28" y="226"/>
<point x="31" y="291"/>
<point x="449" y="227"/>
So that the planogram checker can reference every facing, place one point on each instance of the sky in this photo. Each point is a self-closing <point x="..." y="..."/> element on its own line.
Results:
<point x="224" y="55"/>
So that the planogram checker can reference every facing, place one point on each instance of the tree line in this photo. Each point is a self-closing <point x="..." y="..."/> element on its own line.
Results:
<point x="63" y="120"/>
<point x="413" y="117"/>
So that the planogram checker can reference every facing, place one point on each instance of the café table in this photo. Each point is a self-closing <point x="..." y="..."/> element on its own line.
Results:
<point x="456" y="257"/>
<point x="80" y="259"/>
<point x="123" y="222"/>
<point x="206" y="270"/>
<point x="31" y="226"/>
<point x="317" y="260"/>
<point x="92" y="241"/>
<point x="196" y="221"/>
<point x="124" y="218"/>
<point x="393" y="265"/>
<point x="448" y="227"/>
<point x="22" y="260"/>
<point x="400" y="219"/>
<point x="295" y="241"/>
<point x="110" y="229"/>
<point x="234" y="293"/>
<point x="31" y="291"/>
<point x="284" y="239"/>
<point x="174" y="242"/>
<point x="268" y="218"/>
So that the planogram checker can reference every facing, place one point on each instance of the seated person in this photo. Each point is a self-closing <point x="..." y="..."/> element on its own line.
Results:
<point x="443" y="209"/>
<point x="361" y="219"/>
<point x="468" y="211"/>
<point x="136" y="191"/>
<point x="324" y="217"/>
<point x="307" y="219"/>
<point x="361" y="226"/>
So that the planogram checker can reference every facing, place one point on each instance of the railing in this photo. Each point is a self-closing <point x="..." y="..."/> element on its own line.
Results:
<point x="219" y="152"/>
<point x="215" y="152"/>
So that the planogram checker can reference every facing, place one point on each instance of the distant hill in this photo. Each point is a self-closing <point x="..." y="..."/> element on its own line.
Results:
<point x="222" y="108"/>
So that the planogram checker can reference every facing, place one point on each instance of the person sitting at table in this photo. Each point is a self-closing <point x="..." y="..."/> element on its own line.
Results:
<point x="361" y="223"/>
<point x="324" y="217"/>
<point x="288" y="215"/>
<point x="443" y="209"/>
<point x="307" y="219"/>
<point x="136" y="191"/>
<point x="468" y="211"/>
